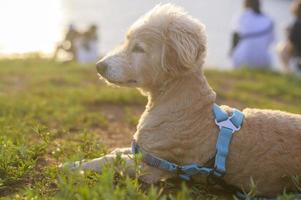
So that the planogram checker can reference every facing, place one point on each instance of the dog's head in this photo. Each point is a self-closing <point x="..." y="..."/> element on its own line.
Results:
<point x="164" y="43"/>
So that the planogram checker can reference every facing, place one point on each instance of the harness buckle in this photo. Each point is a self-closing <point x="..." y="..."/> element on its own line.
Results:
<point x="179" y="170"/>
<point x="215" y="176"/>
<point x="227" y="124"/>
<point x="181" y="173"/>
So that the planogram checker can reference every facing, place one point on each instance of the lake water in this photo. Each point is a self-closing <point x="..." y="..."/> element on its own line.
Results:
<point x="35" y="25"/>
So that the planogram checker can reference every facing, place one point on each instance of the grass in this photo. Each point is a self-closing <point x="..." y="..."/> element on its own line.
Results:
<point x="51" y="113"/>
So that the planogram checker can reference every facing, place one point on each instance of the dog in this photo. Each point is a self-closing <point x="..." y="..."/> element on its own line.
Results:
<point x="163" y="56"/>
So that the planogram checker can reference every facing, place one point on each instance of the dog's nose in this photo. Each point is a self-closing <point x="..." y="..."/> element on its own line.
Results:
<point x="101" y="67"/>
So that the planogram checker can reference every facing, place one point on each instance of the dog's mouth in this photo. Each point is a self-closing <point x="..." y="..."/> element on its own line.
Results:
<point x="127" y="82"/>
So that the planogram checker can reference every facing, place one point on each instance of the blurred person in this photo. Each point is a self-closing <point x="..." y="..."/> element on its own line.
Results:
<point x="87" y="46"/>
<point x="252" y="37"/>
<point x="68" y="44"/>
<point x="291" y="49"/>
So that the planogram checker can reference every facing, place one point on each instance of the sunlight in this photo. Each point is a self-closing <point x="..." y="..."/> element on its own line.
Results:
<point x="29" y="26"/>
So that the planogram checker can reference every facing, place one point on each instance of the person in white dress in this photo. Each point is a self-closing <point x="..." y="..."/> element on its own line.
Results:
<point x="252" y="38"/>
<point x="87" y="46"/>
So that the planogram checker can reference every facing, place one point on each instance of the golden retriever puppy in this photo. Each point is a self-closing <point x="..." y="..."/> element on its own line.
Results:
<point x="162" y="55"/>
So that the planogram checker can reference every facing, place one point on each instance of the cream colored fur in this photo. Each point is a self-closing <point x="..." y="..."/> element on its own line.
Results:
<point x="163" y="56"/>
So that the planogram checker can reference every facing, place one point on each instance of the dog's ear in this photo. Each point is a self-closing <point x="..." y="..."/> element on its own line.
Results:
<point x="184" y="45"/>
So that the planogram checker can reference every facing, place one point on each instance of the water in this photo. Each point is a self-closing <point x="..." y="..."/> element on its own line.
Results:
<point x="41" y="25"/>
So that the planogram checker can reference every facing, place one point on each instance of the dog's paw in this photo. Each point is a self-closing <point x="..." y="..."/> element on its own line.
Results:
<point x="71" y="165"/>
<point x="125" y="151"/>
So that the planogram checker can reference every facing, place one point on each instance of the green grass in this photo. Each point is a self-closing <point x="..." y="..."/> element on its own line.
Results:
<point x="51" y="113"/>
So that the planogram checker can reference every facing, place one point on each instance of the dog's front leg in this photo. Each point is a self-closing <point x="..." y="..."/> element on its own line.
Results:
<point x="148" y="174"/>
<point x="109" y="159"/>
<point x="125" y="151"/>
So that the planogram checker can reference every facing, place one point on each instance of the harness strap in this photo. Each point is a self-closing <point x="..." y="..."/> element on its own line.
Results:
<point x="222" y="150"/>
<point x="227" y="126"/>
<point x="153" y="160"/>
<point x="220" y="114"/>
<point x="184" y="171"/>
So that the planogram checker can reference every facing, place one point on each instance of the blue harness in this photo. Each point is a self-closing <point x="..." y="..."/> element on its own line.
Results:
<point x="227" y="125"/>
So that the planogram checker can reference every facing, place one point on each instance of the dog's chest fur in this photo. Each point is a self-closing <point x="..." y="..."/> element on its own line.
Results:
<point x="180" y="126"/>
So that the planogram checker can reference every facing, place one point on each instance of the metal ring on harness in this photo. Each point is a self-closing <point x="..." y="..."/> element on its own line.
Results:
<point x="214" y="176"/>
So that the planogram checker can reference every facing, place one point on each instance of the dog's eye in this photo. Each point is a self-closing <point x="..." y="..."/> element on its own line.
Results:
<point x="138" y="49"/>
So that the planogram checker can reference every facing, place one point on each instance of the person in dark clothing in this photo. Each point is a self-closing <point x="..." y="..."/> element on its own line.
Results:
<point x="68" y="44"/>
<point x="295" y="32"/>
<point x="292" y="48"/>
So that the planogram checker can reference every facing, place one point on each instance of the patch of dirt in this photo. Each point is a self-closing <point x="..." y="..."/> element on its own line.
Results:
<point x="13" y="84"/>
<point x="117" y="113"/>
<point x="60" y="81"/>
<point x="119" y="132"/>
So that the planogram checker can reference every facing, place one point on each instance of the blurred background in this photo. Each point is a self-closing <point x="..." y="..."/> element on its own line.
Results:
<point x="37" y="26"/>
